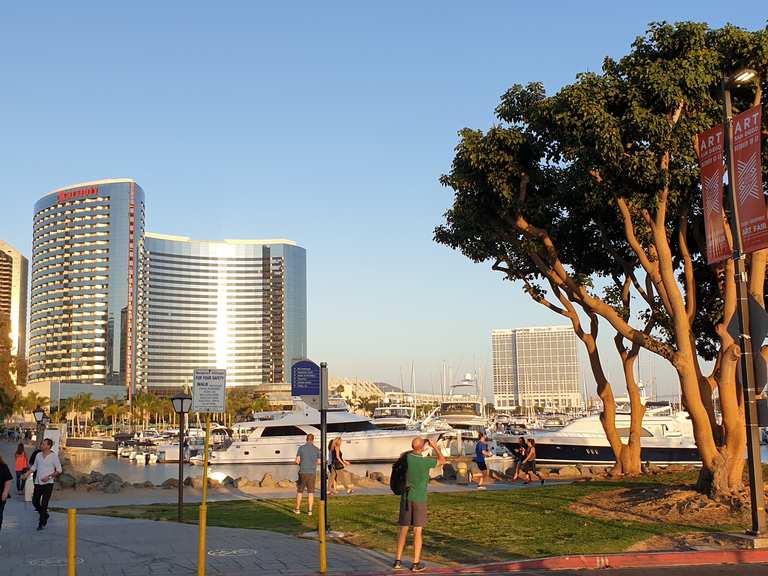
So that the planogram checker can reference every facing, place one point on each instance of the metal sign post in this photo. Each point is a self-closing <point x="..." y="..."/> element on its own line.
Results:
<point x="208" y="396"/>
<point x="324" y="440"/>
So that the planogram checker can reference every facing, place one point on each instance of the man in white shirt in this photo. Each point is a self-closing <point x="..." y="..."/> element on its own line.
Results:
<point x="46" y="466"/>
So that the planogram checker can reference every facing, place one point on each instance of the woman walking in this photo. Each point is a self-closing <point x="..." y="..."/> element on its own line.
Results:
<point x="5" y="487"/>
<point x="339" y="474"/>
<point x="529" y="464"/>
<point x="22" y="465"/>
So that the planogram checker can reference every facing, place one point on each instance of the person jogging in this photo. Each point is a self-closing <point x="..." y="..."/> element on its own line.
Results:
<point x="481" y="452"/>
<point x="413" y="502"/>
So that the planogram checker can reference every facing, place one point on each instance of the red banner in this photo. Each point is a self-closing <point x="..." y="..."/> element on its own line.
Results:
<point x="711" y="164"/>
<point x="748" y="180"/>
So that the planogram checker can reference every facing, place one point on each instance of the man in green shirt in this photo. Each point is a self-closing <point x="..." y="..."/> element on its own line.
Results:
<point x="413" y="503"/>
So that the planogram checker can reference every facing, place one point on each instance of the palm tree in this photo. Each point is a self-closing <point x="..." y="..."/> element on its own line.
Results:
<point x="113" y="409"/>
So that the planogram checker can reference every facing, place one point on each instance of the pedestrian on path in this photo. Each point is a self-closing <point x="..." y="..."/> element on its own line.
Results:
<point x="413" y="502"/>
<point x="307" y="457"/>
<point x="481" y="451"/>
<point x="22" y="465"/>
<point x="5" y="487"/>
<point x="529" y="464"/>
<point x="519" y="453"/>
<point x="339" y="474"/>
<point x="46" y="468"/>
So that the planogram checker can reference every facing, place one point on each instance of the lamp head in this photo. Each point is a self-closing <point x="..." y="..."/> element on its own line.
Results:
<point x="182" y="403"/>
<point x="741" y="77"/>
<point x="38" y="413"/>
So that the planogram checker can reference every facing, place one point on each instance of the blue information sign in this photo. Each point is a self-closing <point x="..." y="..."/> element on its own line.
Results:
<point x="305" y="378"/>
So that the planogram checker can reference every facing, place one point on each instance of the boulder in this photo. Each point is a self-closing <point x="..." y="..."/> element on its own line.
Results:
<point x="449" y="471"/>
<point x="228" y="481"/>
<point x="138" y="485"/>
<point x="83" y="479"/>
<point x="66" y="480"/>
<point x="170" y="483"/>
<point x="188" y="481"/>
<point x="285" y="483"/>
<point x="244" y="482"/>
<point x="112" y="487"/>
<point x="95" y="477"/>
<point x="376" y="476"/>
<point x="110" y="477"/>
<point x="569" y="472"/>
<point x="267" y="481"/>
<point x="148" y="484"/>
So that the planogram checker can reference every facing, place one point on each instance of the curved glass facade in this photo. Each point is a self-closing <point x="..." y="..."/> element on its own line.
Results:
<point x="240" y="305"/>
<point x="86" y="251"/>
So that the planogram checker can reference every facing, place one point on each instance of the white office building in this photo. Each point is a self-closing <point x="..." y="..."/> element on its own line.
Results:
<point x="536" y="367"/>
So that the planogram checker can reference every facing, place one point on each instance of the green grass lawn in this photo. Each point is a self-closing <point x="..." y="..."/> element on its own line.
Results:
<point x="466" y="527"/>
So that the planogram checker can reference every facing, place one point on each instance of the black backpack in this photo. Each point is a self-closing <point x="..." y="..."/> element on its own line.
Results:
<point x="398" y="480"/>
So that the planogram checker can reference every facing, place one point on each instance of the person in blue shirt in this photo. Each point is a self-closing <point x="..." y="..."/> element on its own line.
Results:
<point x="481" y="451"/>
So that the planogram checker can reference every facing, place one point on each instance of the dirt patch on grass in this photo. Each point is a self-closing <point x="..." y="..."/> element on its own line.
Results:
<point x="669" y="504"/>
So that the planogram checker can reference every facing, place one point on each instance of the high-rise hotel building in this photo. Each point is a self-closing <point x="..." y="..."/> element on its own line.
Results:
<point x="536" y="367"/>
<point x="240" y="305"/>
<point x="14" y="274"/>
<point x="86" y="248"/>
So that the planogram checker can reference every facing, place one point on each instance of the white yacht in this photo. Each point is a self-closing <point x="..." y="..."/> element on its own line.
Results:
<point x="396" y="417"/>
<point x="274" y="437"/>
<point x="666" y="438"/>
<point x="464" y="411"/>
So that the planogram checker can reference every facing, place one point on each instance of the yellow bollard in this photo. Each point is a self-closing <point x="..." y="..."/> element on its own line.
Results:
<point x="71" y="542"/>
<point x="202" y="524"/>
<point x="321" y="534"/>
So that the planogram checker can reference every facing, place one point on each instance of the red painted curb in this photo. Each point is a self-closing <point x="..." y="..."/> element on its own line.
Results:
<point x="594" y="561"/>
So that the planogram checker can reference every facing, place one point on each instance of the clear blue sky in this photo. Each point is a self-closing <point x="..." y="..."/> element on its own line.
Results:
<point x="325" y="122"/>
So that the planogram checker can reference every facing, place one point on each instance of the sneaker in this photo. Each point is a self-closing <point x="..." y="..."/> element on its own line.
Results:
<point x="481" y="488"/>
<point x="418" y="567"/>
<point x="296" y="511"/>
<point x="542" y="481"/>
<point x="309" y="512"/>
<point x="397" y="565"/>
<point x="39" y="527"/>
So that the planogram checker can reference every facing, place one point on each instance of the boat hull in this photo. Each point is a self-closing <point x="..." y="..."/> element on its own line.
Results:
<point x="597" y="451"/>
<point x="358" y="448"/>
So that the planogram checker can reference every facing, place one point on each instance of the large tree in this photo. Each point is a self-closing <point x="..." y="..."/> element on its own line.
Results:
<point x="590" y="197"/>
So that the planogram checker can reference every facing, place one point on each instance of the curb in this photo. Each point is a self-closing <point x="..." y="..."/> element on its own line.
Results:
<point x="598" y="561"/>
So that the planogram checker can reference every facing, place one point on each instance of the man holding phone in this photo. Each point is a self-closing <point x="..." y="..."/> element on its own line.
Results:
<point x="413" y="502"/>
<point x="48" y="467"/>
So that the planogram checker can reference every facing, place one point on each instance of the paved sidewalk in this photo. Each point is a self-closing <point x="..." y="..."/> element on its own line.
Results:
<point x="120" y="547"/>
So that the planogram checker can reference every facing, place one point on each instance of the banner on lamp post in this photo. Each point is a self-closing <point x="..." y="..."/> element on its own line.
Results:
<point x="748" y="180"/>
<point x="711" y="165"/>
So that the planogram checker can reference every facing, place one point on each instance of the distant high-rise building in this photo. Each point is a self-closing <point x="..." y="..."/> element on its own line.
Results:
<point x="86" y="248"/>
<point x="536" y="367"/>
<point x="14" y="273"/>
<point x="240" y="305"/>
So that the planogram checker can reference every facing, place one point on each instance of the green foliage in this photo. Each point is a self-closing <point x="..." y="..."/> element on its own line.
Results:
<point x="562" y="161"/>
<point x="8" y="392"/>
<point x="242" y="402"/>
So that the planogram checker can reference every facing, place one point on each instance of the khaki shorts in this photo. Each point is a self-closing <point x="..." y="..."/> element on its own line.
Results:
<point x="413" y="513"/>
<point x="305" y="482"/>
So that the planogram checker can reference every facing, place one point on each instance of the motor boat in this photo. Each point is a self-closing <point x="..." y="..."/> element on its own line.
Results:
<point x="274" y="437"/>
<point x="666" y="438"/>
<point x="396" y="417"/>
<point x="464" y="411"/>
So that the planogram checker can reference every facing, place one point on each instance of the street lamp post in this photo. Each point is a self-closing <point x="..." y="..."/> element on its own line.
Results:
<point x="39" y="415"/>
<point x="182" y="403"/>
<point x="757" y="495"/>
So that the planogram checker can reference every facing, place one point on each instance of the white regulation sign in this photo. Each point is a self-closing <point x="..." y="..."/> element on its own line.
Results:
<point x="209" y="390"/>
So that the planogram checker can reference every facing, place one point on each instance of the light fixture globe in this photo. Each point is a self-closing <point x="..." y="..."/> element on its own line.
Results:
<point x="39" y="414"/>
<point x="182" y="403"/>
<point x="741" y="77"/>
